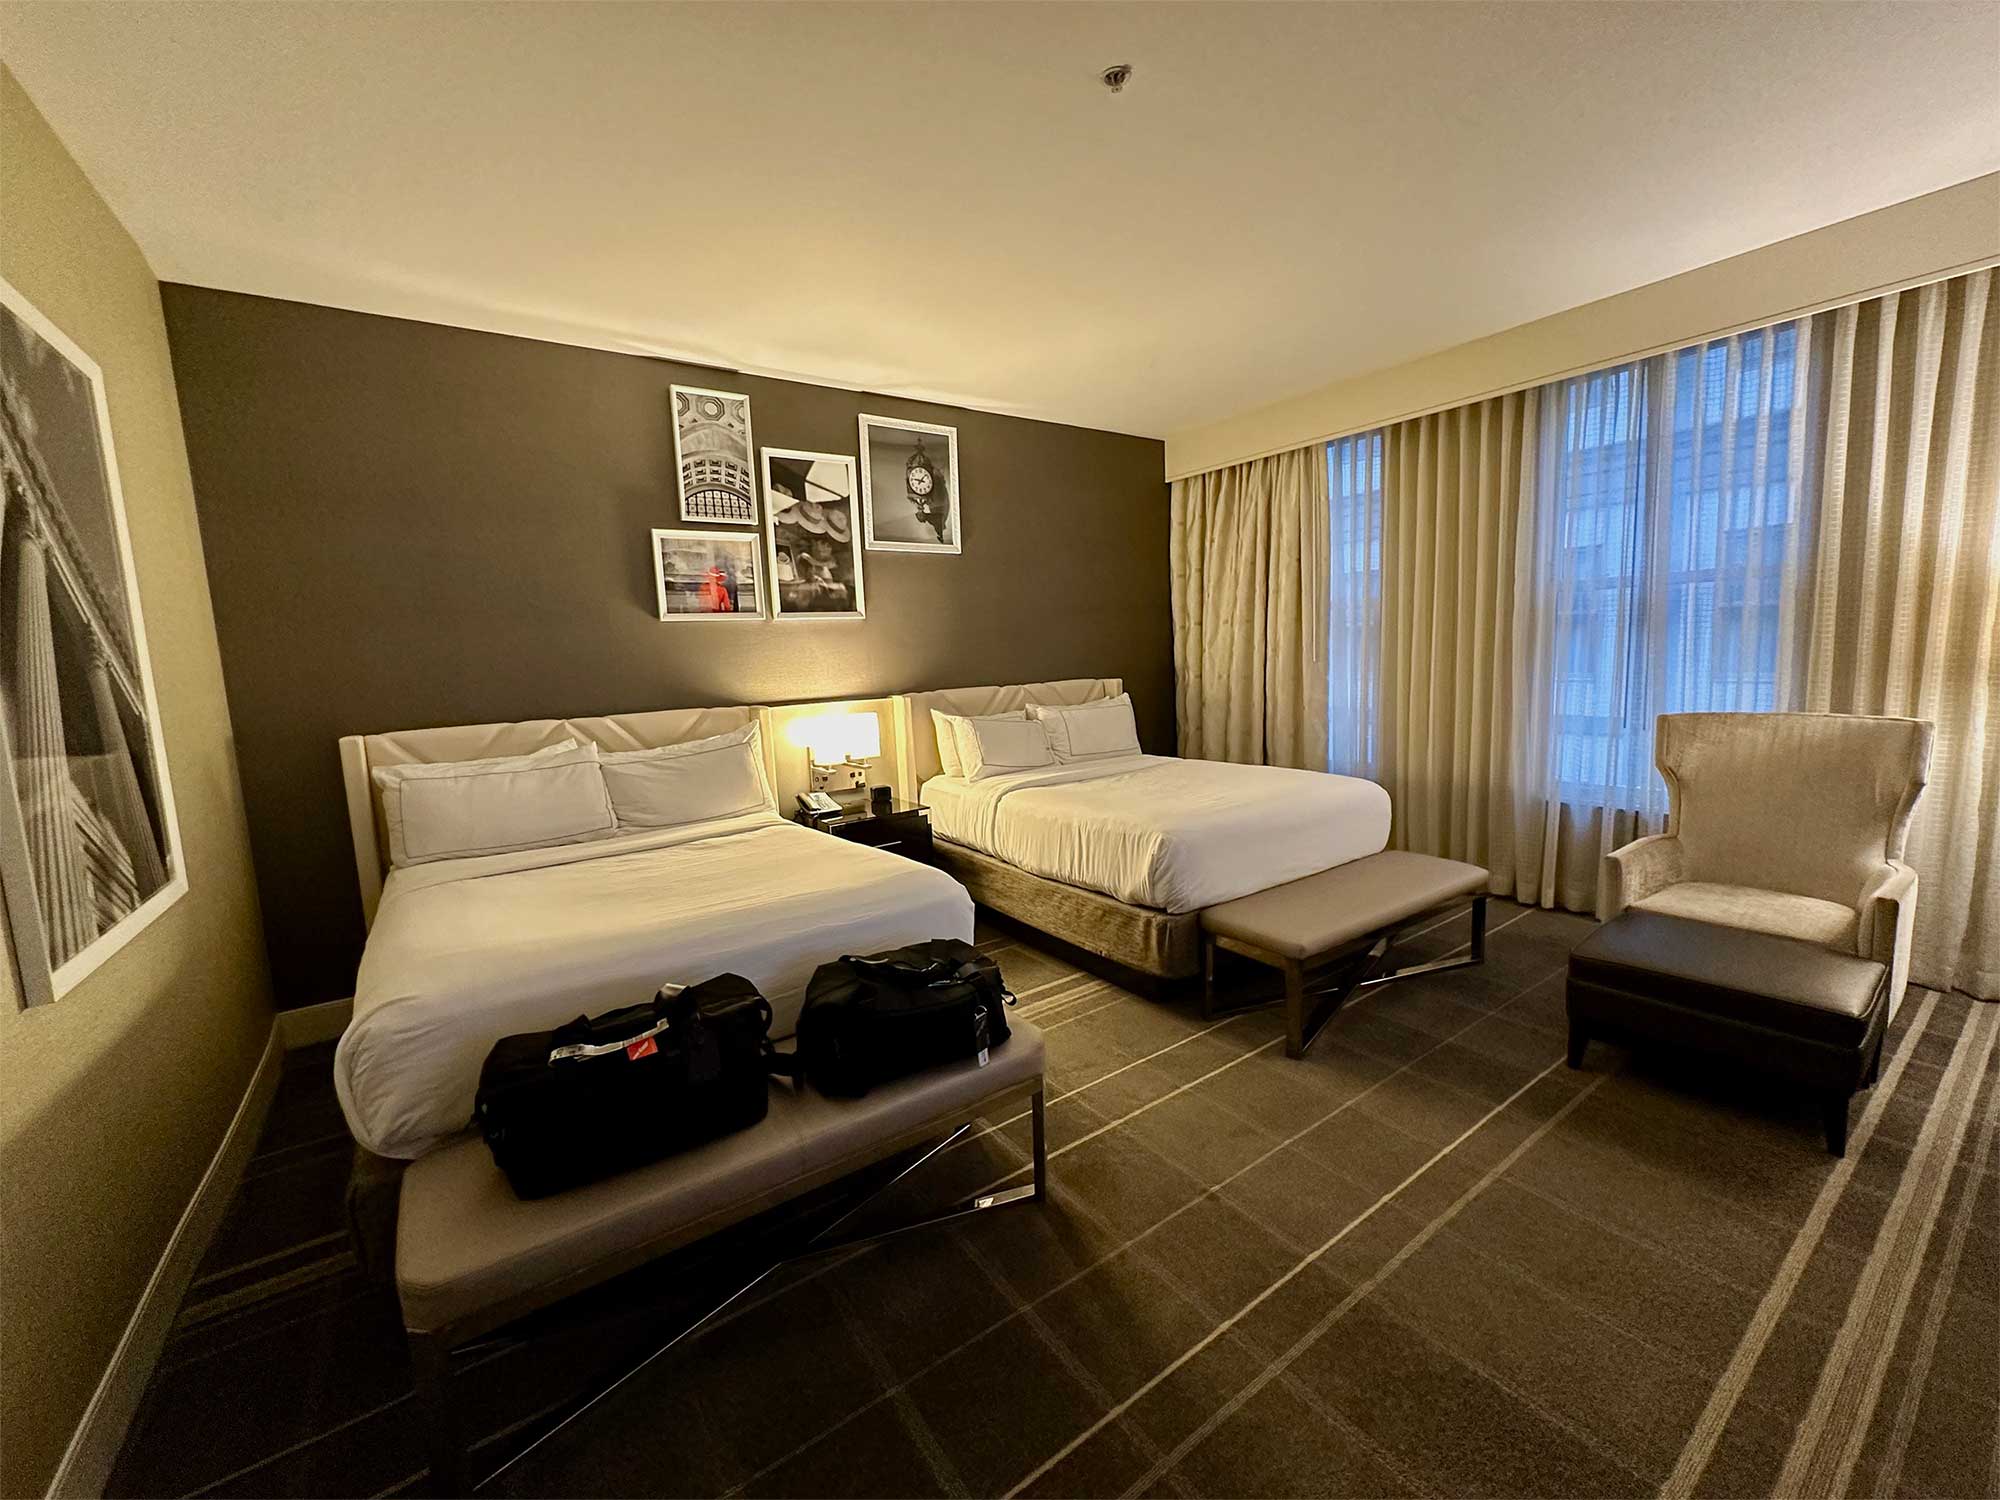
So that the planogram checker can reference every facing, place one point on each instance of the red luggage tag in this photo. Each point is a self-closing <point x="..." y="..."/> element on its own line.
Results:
<point x="645" y="1046"/>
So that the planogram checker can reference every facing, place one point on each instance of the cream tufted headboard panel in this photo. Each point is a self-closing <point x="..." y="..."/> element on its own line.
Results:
<point x="916" y="737"/>
<point x="360" y="754"/>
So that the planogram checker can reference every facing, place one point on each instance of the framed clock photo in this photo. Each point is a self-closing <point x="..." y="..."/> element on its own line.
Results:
<point x="910" y="500"/>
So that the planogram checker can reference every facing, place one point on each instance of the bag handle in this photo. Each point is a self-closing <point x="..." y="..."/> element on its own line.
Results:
<point x="579" y="1051"/>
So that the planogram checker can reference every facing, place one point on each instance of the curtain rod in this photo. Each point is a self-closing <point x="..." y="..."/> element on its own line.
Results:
<point x="1808" y="310"/>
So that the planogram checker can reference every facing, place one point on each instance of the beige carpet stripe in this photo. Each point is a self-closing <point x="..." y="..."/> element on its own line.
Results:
<point x="1708" y="1427"/>
<point x="917" y="1427"/>
<point x="1297" y="1270"/>
<point x="305" y="1442"/>
<point x="1395" y="1263"/>
<point x="1021" y="996"/>
<point x="1829" y="1438"/>
<point x="1117" y="998"/>
<point x="1934" y="1311"/>
<point x="1054" y="1099"/>
<point x="1132" y="1114"/>
<point x="1058" y="1191"/>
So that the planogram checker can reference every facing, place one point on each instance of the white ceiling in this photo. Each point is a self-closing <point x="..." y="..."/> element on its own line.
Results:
<point x="941" y="200"/>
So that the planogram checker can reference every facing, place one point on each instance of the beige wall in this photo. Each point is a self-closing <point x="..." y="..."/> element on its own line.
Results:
<point x="1924" y="239"/>
<point x="113" y="1099"/>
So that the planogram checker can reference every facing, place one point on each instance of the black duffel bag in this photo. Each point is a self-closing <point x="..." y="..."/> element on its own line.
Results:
<point x="869" y="1020"/>
<point x="607" y="1093"/>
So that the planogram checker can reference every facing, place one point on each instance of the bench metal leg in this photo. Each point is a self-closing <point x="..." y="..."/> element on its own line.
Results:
<point x="1207" y="978"/>
<point x="1040" y="1148"/>
<point x="1475" y="955"/>
<point x="1310" y="1005"/>
<point x="1296" y="1040"/>
<point x="430" y="1362"/>
<point x="432" y="1352"/>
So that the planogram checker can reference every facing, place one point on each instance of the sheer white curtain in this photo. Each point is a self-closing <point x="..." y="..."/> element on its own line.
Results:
<point x="1354" y="605"/>
<point x="1659" y="564"/>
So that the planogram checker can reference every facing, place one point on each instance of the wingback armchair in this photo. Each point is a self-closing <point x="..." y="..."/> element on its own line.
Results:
<point x="1785" y="823"/>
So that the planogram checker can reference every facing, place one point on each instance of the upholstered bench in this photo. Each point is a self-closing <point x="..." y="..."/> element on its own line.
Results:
<point x="1339" y="914"/>
<point x="1778" y="1004"/>
<point x="471" y="1257"/>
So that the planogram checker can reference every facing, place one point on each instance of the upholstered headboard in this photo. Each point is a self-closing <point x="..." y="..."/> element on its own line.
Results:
<point x="916" y="737"/>
<point x="360" y="754"/>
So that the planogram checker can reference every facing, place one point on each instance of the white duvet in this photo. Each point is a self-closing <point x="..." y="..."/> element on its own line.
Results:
<point x="1151" y="830"/>
<point x="466" y="951"/>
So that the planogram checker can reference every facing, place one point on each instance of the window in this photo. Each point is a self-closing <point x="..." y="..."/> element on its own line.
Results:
<point x="1354" y="604"/>
<point x="1669" y="485"/>
<point x="1666" y="522"/>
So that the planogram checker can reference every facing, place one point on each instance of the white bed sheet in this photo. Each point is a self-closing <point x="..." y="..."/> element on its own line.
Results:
<point x="1152" y="830"/>
<point x="467" y="951"/>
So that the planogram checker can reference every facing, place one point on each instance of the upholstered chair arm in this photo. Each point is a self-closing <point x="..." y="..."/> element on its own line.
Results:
<point x="1888" y="916"/>
<point x="1642" y="868"/>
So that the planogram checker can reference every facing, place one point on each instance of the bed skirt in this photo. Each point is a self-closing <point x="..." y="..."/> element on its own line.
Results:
<point x="1162" y="944"/>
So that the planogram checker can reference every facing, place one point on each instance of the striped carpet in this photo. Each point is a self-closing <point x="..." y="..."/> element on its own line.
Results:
<point x="1429" y="1259"/>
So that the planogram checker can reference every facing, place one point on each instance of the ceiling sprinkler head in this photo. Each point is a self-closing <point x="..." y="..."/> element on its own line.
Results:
<point x="1116" y="77"/>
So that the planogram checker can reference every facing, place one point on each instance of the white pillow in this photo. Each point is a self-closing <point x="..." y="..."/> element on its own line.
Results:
<point x="962" y="732"/>
<point x="1089" y="731"/>
<point x="993" y="746"/>
<point x="945" y="727"/>
<point x="953" y="737"/>
<point x="690" y="782"/>
<point x="455" y="809"/>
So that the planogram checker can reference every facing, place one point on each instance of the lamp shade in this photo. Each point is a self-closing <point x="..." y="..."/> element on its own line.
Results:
<point x="864" y="736"/>
<point x="832" y="738"/>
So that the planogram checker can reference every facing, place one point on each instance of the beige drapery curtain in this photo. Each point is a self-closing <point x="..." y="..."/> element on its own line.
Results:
<point x="1452" y="491"/>
<point x="1903" y="610"/>
<point x="1248" y="553"/>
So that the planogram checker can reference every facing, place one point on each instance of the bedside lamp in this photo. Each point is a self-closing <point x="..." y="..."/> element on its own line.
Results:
<point x="839" y="748"/>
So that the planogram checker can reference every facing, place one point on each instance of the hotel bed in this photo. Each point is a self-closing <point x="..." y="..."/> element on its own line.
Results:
<point x="462" y="951"/>
<point x="1119" y="853"/>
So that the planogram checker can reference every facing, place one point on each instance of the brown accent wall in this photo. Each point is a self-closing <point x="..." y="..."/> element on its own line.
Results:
<point x="409" y="525"/>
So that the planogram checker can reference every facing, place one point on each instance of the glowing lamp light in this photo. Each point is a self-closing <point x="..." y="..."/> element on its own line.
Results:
<point x="838" y="747"/>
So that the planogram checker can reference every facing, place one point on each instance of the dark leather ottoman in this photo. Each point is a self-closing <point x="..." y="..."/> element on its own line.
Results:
<point x="1805" y="1013"/>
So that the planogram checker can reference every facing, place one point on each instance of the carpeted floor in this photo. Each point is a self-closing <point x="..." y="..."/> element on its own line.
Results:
<point x="1427" y="1259"/>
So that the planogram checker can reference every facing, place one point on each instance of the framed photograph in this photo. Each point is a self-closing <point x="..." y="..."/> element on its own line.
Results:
<point x="815" y="545"/>
<point x="909" y="485"/>
<point x="713" y="457"/>
<point x="90" y="850"/>
<point x="709" y="575"/>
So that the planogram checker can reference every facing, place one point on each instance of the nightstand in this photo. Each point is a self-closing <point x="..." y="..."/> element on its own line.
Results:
<point x="904" y="827"/>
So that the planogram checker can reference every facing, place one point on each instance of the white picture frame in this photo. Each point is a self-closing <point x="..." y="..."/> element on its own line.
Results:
<point x="810" y="500"/>
<point x="675" y="587"/>
<point x="891" y="521"/>
<point x="62" y="486"/>
<point x="711" y="457"/>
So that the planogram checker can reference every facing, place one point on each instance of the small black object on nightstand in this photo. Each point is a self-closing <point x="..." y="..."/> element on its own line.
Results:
<point x="901" y="827"/>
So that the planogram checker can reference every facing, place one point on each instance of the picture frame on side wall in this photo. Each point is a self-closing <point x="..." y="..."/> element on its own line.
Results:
<point x="715" y="464"/>
<point x="90" y="845"/>
<point x="813" y="534"/>
<point x="910" y="499"/>
<point x="709" y="575"/>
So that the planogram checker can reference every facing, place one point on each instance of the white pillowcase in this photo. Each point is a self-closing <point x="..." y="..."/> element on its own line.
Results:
<point x="993" y="746"/>
<point x="1089" y="731"/>
<point x="455" y="809"/>
<point x="690" y="782"/>
<point x="945" y="727"/>
<point x="951" y="738"/>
